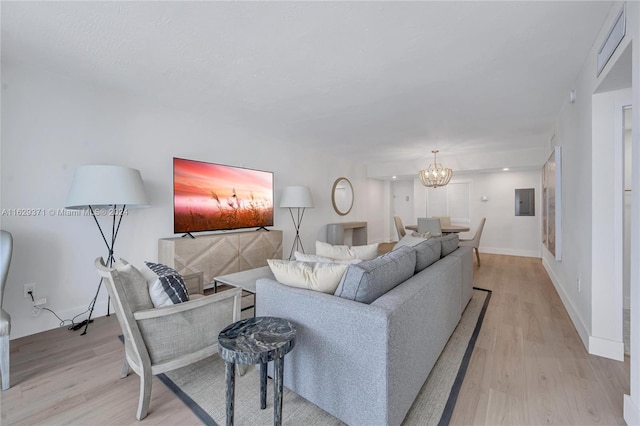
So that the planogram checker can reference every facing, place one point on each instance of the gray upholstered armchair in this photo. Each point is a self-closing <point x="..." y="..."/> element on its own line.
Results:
<point x="162" y="339"/>
<point x="6" y="249"/>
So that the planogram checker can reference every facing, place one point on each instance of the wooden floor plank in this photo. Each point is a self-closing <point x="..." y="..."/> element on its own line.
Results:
<point x="550" y="378"/>
<point x="529" y="367"/>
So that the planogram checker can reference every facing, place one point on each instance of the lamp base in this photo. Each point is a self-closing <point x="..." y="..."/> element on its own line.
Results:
<point x="79" y="325"/>
<point x="297" y="242"/>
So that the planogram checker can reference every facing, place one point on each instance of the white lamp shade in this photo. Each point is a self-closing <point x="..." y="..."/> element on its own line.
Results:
<point x="296" y="196"/>
<point x="102" y="186"/>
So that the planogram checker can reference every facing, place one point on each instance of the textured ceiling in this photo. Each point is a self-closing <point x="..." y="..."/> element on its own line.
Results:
<point x="383" y="81"/>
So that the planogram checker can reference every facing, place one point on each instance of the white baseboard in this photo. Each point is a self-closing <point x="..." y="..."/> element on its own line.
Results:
<point x="510" y="252"/>
<point x="631" y="412"/>
<point x="580" y="326"/>
<point x="594" y="345"/>
<point x="606" y="348"/>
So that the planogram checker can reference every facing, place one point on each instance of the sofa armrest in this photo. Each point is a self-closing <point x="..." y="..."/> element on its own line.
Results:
<point x="337" y="341"/>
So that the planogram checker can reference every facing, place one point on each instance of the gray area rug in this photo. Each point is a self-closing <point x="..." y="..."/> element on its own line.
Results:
<point x="202" y="385"/>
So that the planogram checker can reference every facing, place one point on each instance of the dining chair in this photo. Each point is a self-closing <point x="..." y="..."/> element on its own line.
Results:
<point x="399" y="227"/>
<point x="6" y="250"/>
<point x="430" y="225"/>
<point x="444" y="220"/>
<point x="475" y="241"/>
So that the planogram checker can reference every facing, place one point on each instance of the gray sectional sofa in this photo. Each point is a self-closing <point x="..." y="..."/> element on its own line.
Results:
<point x="364" y="362"/>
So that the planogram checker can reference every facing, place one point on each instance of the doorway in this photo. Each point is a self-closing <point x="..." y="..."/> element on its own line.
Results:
<point x="402" y="203"/>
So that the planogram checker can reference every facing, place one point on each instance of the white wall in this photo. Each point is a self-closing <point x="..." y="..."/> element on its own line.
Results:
<point x="592" y="206"/>
<point x="626" y="278"/>
<point x="504" y="233"/>
<point x="632" y="401"/>
<point x="402" y="204"/>
<point x="52" y="124"/>
<point x="607" y="221"/>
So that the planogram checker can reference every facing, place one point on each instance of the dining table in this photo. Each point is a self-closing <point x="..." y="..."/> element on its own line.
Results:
<point x="448" y="229"/>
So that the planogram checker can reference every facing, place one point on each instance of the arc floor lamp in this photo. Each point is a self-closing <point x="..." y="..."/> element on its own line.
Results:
<point x="106" y="190"/>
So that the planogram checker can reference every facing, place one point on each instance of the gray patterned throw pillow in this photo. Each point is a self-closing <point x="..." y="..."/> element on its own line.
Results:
<point x="168" y="288"/>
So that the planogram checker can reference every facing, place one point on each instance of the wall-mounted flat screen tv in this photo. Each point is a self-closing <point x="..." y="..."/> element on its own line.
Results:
<point x="213" y="197"/>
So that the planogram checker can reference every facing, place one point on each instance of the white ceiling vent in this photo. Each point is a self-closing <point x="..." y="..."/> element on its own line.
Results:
<point x="615" y="36"/>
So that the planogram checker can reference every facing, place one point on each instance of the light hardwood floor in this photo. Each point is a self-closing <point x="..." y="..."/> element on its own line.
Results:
<point x="528" y="367"/>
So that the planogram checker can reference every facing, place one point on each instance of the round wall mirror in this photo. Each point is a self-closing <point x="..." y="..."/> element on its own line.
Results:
<point x="342" y="196"/>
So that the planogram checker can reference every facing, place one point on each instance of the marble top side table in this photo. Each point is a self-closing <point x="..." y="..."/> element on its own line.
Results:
<point x="256" y="340"/>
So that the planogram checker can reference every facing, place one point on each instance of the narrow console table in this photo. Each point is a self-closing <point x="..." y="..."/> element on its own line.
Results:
<point x="336" y="231"/>
<point x="220" y="254"/>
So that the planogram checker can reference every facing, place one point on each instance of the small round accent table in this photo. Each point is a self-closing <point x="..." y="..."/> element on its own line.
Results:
<point x="257" y="340"/>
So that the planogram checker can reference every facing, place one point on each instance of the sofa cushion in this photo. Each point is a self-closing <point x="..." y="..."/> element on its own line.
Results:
<point x="449" y="243"/>
<point x="323" y="277"/>
<point x="314" y="258"/>
<point x="368" y="280"/>
<point x="345" y="252"/>
<point x="409" y="240"/>
<point x="427" y="250"/>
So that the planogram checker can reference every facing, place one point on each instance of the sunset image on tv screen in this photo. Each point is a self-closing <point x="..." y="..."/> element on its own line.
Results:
<point x="208" y="196"/>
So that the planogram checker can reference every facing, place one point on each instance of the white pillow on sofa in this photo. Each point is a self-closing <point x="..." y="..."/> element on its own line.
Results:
<point x="314" y="258"/>
<point x="323" y="277"/>
<point x="367" y="252"/>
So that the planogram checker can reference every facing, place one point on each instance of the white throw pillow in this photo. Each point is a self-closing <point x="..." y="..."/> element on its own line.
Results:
<point x="314" y="258"/>
<point x="367" y="252"/>
<point x="323" y="277"/>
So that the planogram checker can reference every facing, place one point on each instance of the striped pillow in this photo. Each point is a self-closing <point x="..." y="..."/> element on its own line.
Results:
<point x="168" y="287"/>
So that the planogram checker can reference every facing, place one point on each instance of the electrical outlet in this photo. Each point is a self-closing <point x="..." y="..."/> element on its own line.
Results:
<point x="31" y="287"/>
<point x="41" y="301"/>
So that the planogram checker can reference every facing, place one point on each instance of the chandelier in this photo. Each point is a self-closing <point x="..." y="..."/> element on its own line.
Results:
<point x="435" y="175"/>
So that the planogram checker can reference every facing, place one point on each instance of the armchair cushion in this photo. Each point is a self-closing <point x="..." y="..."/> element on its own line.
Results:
<point x="136" y="290"/>
<point x="168" y="287"/>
